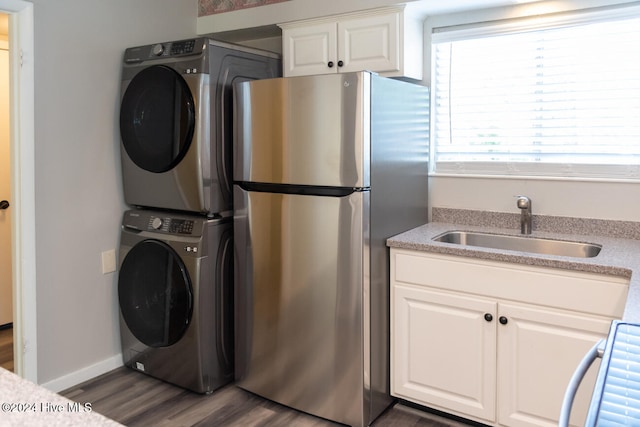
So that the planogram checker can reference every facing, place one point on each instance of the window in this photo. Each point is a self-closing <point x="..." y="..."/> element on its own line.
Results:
<point x="557" y="96"/>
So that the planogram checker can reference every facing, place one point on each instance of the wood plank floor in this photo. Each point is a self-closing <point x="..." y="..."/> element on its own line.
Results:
<point x="135" y="399"/>
<point x="6" y="348"/>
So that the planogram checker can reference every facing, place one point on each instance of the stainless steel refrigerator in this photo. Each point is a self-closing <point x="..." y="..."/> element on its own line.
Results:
<point x="326" y="168"/>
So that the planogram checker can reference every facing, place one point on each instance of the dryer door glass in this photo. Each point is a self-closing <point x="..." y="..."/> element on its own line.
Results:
<point x="157" y="119"/>
<point x="155" y="294"/>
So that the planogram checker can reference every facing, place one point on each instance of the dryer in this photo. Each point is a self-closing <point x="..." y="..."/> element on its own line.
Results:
<point x="175" y="293"/>
<point x="176" y="121"/>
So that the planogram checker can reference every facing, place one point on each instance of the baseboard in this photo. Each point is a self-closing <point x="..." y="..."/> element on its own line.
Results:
<point x="66" y="381"/>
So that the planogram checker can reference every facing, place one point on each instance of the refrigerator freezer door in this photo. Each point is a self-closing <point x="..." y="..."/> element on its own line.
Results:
<point x="300" y="322"/>
<point x="310" y="130"/>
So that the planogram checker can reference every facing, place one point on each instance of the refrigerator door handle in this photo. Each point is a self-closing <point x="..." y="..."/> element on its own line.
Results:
<point x="304" y="190"/>
<point x="565" y="412"/>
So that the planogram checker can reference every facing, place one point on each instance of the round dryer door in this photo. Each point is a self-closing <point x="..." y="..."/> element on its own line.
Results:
<point x="155" y="294"/>
<point x="157" y="119"/>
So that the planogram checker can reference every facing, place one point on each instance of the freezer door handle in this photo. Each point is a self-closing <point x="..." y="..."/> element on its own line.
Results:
<point x="304" y="190"/>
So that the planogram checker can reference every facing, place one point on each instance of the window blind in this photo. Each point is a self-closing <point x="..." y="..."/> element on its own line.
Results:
<point x="555" y="98"/>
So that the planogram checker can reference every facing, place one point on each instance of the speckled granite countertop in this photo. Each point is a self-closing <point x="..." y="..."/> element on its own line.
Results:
<point x="619" y="256"/>
<point x="27" y="404"/>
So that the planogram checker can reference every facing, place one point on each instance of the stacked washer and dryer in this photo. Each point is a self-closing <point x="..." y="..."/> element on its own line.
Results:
<point x="175" y="285"/>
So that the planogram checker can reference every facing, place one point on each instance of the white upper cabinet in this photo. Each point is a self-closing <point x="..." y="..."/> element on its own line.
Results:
<point x="387" y="41"/>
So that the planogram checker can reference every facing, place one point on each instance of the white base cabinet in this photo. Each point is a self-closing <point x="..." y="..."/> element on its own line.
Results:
<point x="495" y="342"/>
<point x="387" y="41"/>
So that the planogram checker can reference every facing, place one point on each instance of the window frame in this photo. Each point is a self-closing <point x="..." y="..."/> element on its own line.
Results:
<point x="527" y="170"/>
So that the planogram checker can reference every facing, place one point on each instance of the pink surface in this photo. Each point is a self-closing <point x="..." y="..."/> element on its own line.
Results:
<point x="210" y="7"/>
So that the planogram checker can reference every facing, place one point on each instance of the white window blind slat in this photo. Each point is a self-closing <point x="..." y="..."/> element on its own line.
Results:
<point x="558" y="100"/>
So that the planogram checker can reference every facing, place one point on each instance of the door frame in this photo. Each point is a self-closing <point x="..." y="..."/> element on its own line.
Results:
<point x="21" y="60"/>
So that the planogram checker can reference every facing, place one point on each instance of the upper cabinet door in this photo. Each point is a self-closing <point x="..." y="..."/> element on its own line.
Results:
<point x="369" y="43"/>
<point x="310" y="49"/>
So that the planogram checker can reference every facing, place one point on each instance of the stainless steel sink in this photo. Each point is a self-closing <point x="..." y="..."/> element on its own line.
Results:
<point x="522" y="244"/>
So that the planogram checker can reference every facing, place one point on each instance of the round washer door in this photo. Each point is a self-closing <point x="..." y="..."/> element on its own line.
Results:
<point x="155" y="294"/>
<point x="157" y="119"/>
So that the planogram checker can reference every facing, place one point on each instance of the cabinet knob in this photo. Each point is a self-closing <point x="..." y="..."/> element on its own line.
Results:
<point x="503" y="320"/>
<point x="488" y="317"/>
<point x="330" y="64"/>
<point x="340" y="63"/>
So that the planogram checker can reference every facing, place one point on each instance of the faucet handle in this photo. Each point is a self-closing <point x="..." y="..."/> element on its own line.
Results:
<point x="523" y="202"/>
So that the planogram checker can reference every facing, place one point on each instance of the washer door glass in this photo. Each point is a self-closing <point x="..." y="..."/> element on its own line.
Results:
<point x="155" y="294"/>
<point x="157" y="119"/>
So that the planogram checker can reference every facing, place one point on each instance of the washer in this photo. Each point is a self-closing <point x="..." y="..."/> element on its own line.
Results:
<point x="175" y="290"/>
<point x="176" y="121"/>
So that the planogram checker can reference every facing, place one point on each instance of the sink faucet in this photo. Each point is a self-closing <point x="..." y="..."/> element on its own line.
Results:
<point x="524" y="204"/>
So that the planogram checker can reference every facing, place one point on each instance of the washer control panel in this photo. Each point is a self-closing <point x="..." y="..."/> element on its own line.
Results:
<point x="157" y="222"/>
<point x="171" y="225"/>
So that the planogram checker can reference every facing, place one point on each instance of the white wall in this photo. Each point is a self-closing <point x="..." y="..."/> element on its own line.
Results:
<point x="79" y="200"/>
<point x="589" y="199"/>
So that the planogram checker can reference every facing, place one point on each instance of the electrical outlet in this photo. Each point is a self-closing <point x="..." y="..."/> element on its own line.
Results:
<point x="109" y="261"/>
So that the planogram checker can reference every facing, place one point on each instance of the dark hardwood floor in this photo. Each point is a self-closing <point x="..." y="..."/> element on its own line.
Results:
<point x="135" y="399"/>
<point x="6" y="348"/>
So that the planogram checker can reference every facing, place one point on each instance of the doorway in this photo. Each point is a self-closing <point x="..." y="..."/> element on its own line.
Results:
<point x="6" y="281"/>
<point x="22" y="177"/>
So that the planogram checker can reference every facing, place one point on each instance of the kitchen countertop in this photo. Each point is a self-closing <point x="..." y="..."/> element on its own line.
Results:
<point x="27" y="404"/>
<point x="618" y="257"/>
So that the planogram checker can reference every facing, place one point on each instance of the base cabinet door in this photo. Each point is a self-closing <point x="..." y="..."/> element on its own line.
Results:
<point x="443" y="351"/>
<point x="538" y="351"/>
